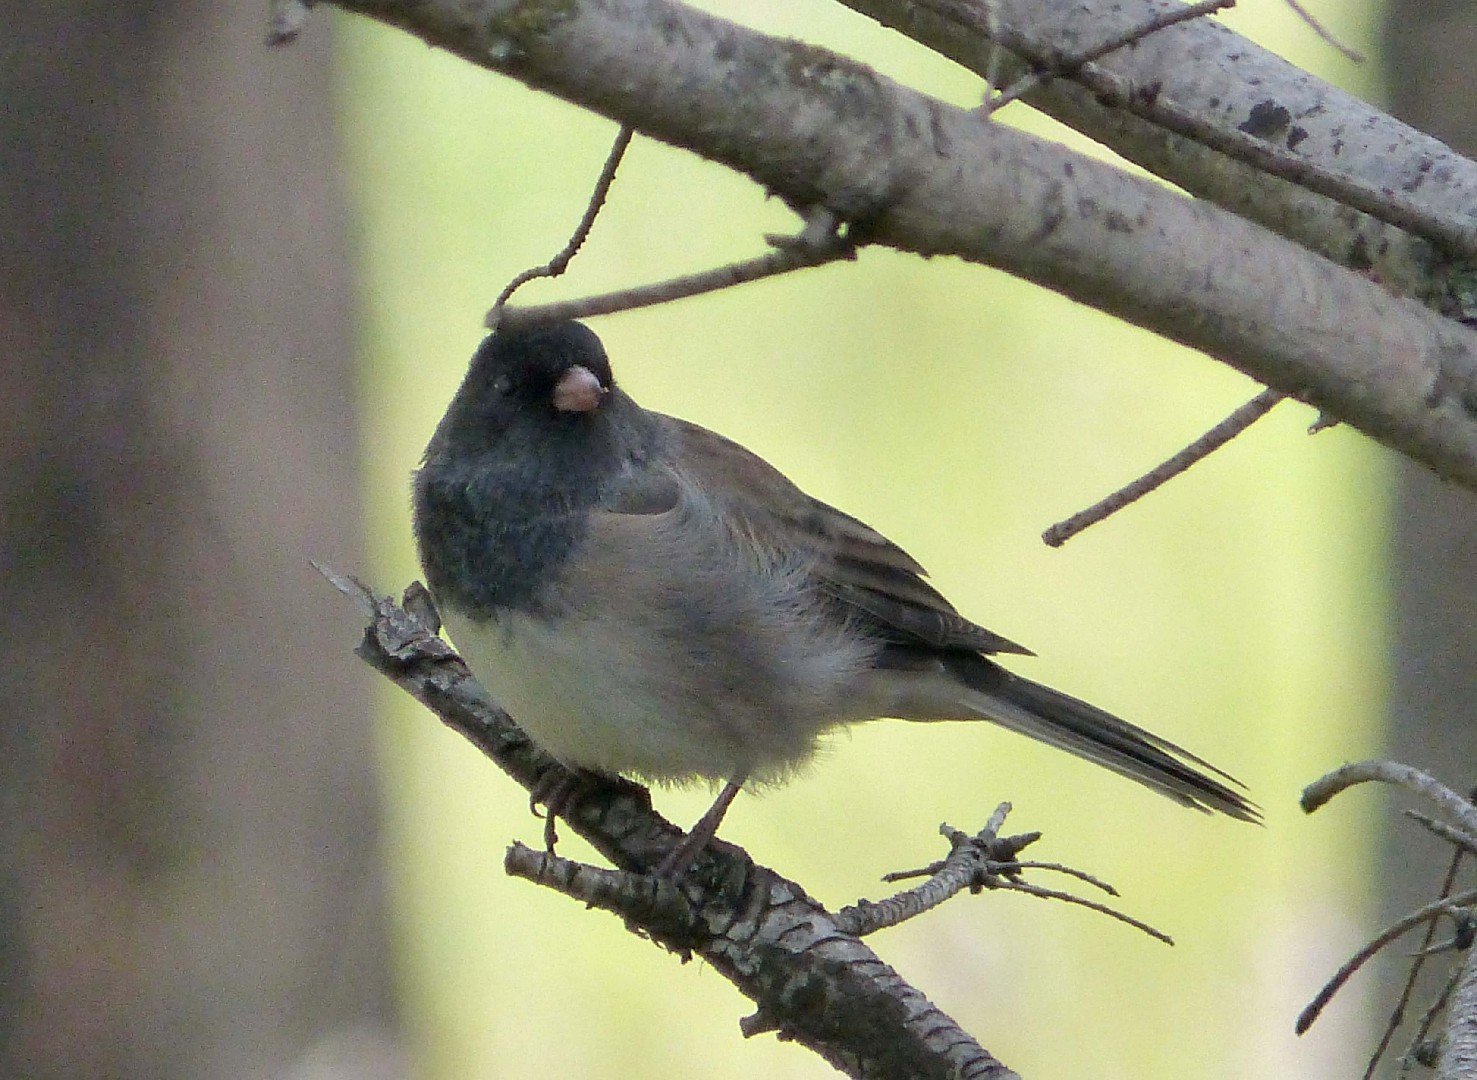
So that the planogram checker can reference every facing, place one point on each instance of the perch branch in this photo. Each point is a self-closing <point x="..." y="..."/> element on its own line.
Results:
<point x="811" y="981"/>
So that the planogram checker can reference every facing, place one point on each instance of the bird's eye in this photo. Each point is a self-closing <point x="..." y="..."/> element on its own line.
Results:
<point x="502" y="386"/>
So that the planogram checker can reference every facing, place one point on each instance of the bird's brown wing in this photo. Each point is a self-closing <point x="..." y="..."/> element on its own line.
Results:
<point x="871" y="578"/>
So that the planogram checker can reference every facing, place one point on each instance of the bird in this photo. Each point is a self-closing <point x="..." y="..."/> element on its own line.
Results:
<point x="650" y="600"/>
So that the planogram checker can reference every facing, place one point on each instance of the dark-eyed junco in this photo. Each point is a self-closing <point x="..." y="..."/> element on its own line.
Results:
<point x="647" y="598"/>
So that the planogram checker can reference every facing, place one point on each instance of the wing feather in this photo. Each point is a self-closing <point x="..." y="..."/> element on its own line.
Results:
<point x="874" y="581"/>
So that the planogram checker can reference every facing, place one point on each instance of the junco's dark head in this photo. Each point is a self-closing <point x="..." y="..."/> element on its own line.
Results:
<point x="527" y="377"/>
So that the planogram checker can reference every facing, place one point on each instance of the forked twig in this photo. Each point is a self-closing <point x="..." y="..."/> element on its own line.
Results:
<point x="983" y="861"/>
<point x="813" y="246"/>
<point x="560" y="262"/>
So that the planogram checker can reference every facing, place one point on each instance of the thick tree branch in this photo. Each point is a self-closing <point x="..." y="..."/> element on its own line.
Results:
<point x="915" y="174"/>
<point x="1228" y="121"/>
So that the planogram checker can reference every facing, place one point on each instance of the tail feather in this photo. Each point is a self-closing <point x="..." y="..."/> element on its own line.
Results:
<point x="1060" y="720"/>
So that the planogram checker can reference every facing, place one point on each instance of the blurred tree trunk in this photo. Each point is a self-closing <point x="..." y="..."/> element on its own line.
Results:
<point x="1429" y="48"/>
<point x="189" y="875"/>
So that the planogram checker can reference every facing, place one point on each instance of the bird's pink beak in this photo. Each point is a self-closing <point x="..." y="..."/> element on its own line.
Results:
<point x="578" y="390"/>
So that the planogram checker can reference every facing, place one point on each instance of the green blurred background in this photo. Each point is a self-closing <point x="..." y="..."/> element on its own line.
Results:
<point x="1237" y="611"/>
<point x="238" y="287"/>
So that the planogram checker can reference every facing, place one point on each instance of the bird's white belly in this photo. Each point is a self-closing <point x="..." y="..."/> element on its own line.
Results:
<point x="592" y="694"/>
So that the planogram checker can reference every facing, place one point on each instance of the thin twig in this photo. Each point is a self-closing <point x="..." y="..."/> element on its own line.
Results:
<point x="1091" y="905"/>
<point x="560" y="263"/>
<point x="1201" y="448"/>
<point x="1460" y="839"/>
<point x="1431" y="911"/>
<point x="791" y="256"/>
<point x="1070" y="67"/>
<point x="1318" y="28"/>
<point x="1073" y="872"/>
<point x="644" y="899"/>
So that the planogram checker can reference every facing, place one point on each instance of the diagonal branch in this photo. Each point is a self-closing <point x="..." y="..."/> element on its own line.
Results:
<point x="811" y="981"/>
<point x="1226" y="120"/>
<point x="910" y="172"/>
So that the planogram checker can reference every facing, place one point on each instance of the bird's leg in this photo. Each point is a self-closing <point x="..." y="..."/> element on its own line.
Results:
<point x="680" y="858"/>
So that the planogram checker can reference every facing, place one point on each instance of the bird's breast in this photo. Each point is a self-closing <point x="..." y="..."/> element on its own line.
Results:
<point x="661" y="665"/>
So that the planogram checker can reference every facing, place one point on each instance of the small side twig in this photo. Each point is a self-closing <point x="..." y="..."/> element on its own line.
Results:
<point x="983" y="861"/>
<point x="1462" y="841"/>
<point x="1090" y="905"/>
<point x="560" y="262"/>
<point x="1069" y="67"/>
<point x="1198" y="450"/>
<point x="811" y="247"/>
<point x="1070" y="871"/>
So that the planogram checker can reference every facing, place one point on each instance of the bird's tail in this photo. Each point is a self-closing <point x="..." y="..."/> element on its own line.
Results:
<point x="990" y="692"/>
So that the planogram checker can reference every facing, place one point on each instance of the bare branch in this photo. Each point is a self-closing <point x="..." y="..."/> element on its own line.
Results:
<point x="1159" y="21"/>
<point x="915" y="174"/>
<point x="1224" y="118"/>
<point x="793" y="253"/>
<point x="811" y="981"/>
<point x="1198" y="450"/>
<point x="1389" y="772"/>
